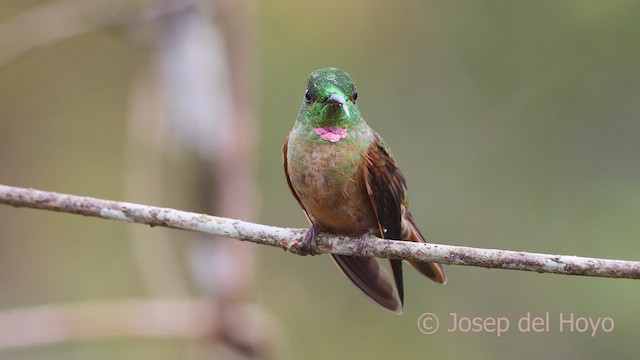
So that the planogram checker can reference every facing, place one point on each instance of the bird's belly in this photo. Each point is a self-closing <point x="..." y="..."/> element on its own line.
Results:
<point x="333" y="192"/>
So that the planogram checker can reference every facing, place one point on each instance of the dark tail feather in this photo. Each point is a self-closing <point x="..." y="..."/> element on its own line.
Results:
<point x="373" y="280"/>
<point x="396" y="268"/>
<point x="432" y="270"/>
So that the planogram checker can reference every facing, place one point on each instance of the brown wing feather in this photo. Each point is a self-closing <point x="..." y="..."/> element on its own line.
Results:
<point x="385" y="185"/>
<point x="386" y="188"/>
<point x="365" y="273"/>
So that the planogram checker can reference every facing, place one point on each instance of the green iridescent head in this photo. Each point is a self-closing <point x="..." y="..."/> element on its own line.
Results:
<point x="330" y="100"/>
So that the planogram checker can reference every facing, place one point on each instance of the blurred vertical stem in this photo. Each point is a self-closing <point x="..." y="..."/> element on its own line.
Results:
<point x="236" y="190"/>
<point x="153" y="252"/>
<point x="234" y="169"/>
<point x="205" y="65"/>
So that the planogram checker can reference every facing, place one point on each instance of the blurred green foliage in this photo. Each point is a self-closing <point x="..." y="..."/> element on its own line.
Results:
<point x="515" y="123"/>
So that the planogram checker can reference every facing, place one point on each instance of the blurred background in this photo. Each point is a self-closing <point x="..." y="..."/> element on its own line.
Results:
<point x="515" y="123"/>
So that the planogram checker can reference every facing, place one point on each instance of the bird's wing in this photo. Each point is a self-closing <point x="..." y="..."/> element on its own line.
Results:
<point x="364" y="272"/>
<point x="386" y="187"/>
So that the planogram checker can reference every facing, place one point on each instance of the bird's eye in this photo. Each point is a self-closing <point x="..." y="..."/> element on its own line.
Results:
<point x="354" y="96"/>
<point x="308" y="97"/>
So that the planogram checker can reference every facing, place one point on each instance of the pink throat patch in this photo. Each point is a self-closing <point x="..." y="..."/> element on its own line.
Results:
<point x="331" y="133"/>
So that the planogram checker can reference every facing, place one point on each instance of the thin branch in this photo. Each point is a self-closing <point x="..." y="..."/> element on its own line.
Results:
<point x="133" y="318"/>
<point x="289" y="239"/>
<point x="50" y="324"/>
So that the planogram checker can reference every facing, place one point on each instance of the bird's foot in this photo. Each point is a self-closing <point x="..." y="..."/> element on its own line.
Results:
<point x="361" y="244"/>
<point x="308" y="246"/>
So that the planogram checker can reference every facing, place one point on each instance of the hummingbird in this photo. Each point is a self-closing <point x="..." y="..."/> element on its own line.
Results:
<point x="345" y="179"/>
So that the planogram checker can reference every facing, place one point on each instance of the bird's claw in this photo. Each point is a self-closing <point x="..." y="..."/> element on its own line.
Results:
<point x="361" y="244"/>
<point x="308" y="245"/>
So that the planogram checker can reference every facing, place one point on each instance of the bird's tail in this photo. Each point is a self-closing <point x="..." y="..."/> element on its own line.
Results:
<point x="372" y="279"/>
<point x="432" y="270"/>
